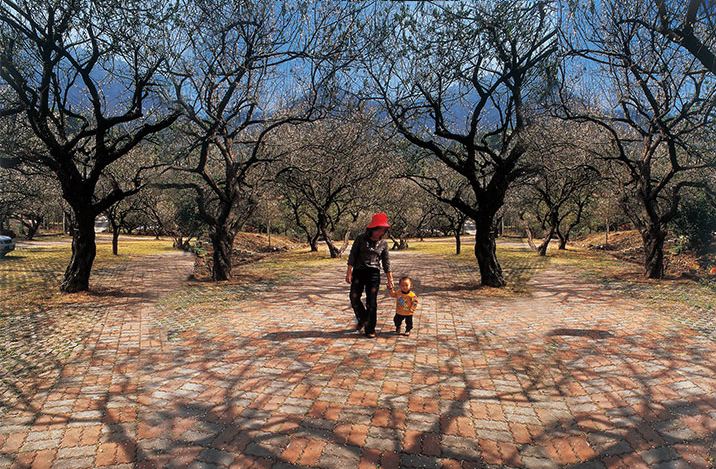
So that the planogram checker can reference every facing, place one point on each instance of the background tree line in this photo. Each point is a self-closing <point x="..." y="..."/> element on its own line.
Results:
<point x="202" y="117"/>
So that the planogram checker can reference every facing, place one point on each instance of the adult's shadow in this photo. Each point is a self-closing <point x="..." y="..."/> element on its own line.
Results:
<point x="288" y="335"/>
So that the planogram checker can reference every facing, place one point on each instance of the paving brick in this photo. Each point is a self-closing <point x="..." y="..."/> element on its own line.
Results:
<point x="252" y="374"/>
<point x="38" y="445"/>
<point x="73" y="463"/>
<point x="44" y="459"/>
<point x="53" y="435"/>
<point x="659" y="455"/>
<point x="76" y="451"/>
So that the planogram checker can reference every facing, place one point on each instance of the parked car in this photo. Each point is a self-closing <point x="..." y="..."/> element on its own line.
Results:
<point x="469" y="228"/>
<point x="101" y="224"/>
<point x="7" y="244"/>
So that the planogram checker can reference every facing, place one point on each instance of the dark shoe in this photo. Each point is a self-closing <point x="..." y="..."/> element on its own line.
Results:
<point x="359" y="325"/>
<point x="370" y="335"/>
<point x="407" y="333"/>
<point x="397" y="330"/>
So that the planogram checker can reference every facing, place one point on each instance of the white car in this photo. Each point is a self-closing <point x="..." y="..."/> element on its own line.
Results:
<point x="469" y="228"/>
<point x="7" y="244"/>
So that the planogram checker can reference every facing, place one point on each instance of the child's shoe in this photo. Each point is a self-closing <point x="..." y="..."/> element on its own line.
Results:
<point x="397" y="329"/>
<point x="407" y="333"/>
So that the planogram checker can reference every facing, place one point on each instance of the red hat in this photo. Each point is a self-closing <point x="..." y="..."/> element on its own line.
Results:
<point x="379" y="220"/>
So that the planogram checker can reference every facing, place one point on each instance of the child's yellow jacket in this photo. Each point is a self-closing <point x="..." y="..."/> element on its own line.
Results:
<point x="406" y="303"/>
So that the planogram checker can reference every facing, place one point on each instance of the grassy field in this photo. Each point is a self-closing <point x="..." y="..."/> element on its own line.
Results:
<point x="518" y="263"/>
<point x="626" y="277"/>
<point x="31" y="275"/>
<point x="248" y="279"/>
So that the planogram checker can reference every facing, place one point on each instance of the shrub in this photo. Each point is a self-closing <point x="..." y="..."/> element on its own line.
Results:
<point x="696" y="221"/>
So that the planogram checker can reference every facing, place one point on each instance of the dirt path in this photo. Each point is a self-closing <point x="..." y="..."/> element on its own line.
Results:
<point x="563" y="375"/>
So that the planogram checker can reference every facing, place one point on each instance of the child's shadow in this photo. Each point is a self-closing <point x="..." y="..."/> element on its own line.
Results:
<point x="288" y="335"/>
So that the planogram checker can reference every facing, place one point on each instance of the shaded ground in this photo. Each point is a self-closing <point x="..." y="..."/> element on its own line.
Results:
<point x="561" y="373"/>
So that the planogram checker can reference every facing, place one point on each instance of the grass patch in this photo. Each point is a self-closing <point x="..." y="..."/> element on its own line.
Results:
<point x="132" y="248"/>
<point x="518" y="262"/>
<point x="248" y="280"/>
<point x="285" y="266"/>
<point x="30" y="276"/>
<point x="626" y="278"/>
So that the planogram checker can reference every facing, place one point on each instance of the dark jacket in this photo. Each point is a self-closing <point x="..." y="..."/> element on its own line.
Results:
<point x="369" y="254"/>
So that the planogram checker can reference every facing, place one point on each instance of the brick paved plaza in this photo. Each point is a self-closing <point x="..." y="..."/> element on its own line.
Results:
<point x="568" y="374"/>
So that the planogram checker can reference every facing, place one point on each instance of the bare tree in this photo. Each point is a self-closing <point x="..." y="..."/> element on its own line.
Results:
<point x="563" y="180"/>
<point x="118" y="216"/>
<point x="455" y="222"/>
<point x="331" y="170"/>
<point x="172" y="212"/>
<point x="411" y="209"/>
<point x="83" y="78"/>
<point x="250" y="68"/>
<point x="271" y="215"/>
<point x="691" y="25"/>
<point x="653" y="101"/>
<point x="28" y="196"/>
<point x="457" y="79"/>
<point x="445" y="185"/>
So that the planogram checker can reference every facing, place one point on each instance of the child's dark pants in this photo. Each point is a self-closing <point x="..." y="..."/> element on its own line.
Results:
<point x="398" y="320"/>
<point x="368" y="280"/>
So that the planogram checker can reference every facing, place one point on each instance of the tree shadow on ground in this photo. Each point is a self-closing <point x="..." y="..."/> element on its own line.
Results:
<point x="221" y="401"/>
<point x="208" y="401"/>
<point x="245" y="394"/>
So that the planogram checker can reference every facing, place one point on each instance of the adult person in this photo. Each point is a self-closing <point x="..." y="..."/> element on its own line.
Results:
<point x="368" y="252"/>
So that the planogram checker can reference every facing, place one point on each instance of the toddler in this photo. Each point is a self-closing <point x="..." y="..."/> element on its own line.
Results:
<point x="405" y="305"/>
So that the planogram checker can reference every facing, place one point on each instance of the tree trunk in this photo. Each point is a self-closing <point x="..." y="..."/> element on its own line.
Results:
<point x="530" y="240"/>
<point x="485" y="253"/>
<point x="542" y="249"/>
<point x="115" y="241"/>
<point x="332" y="249"/>
<point x="313" y="242"/>
<point x="32" y="228"/>
<point x="346" y="240"/>
<point x="553" y="221"/>
<point x="78" y="272"/>
<point x="653" y="238"/>
<point x="458" y="244"/>
<point x="563" y="239"/>
<point x="222" y="240"/>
